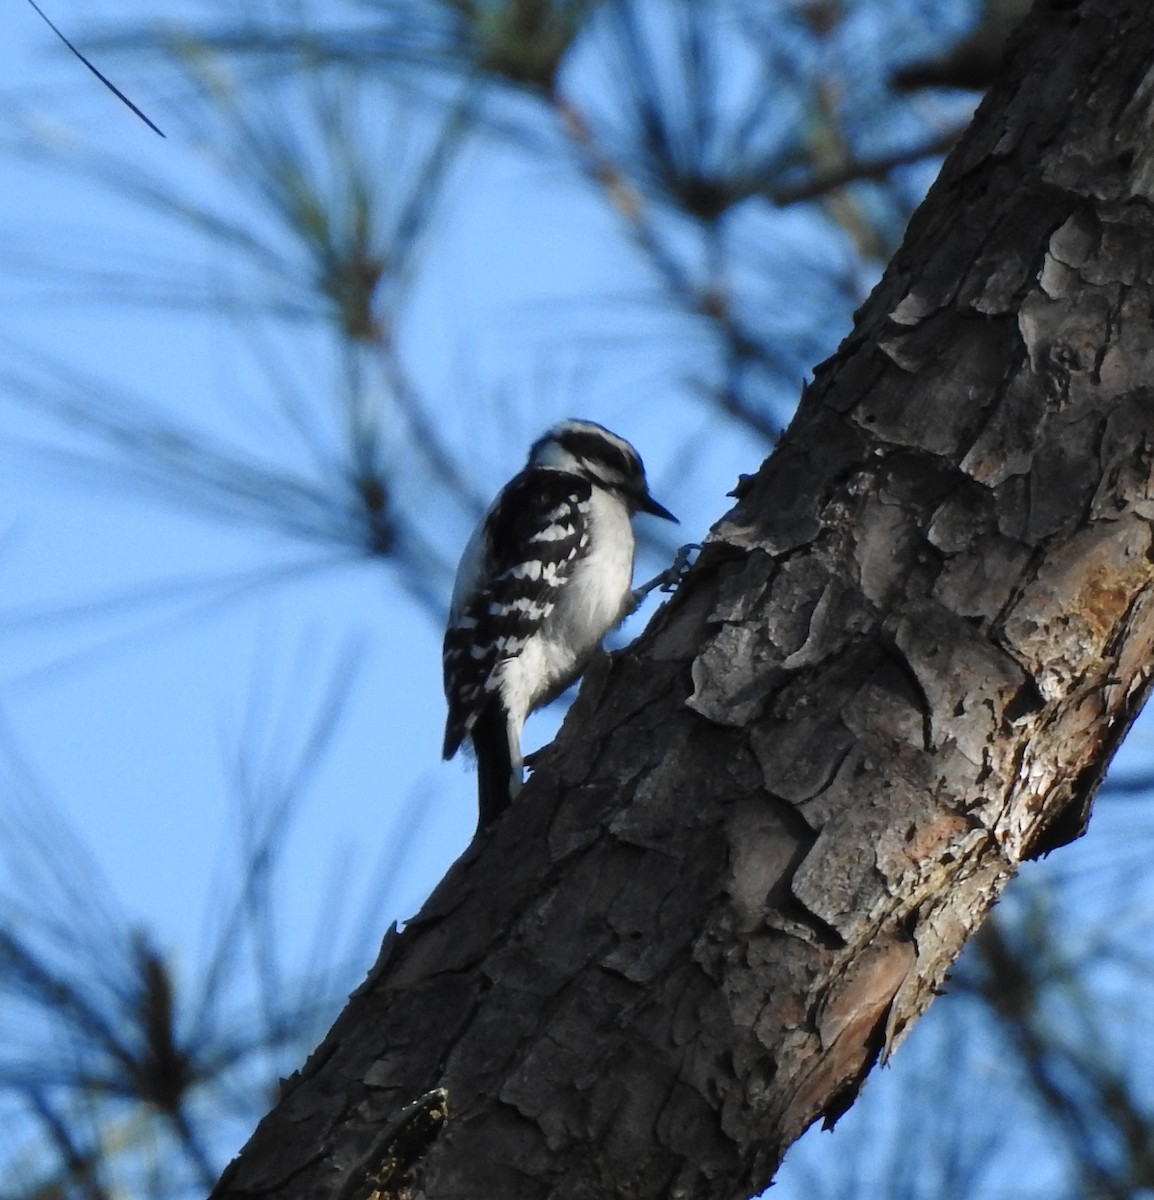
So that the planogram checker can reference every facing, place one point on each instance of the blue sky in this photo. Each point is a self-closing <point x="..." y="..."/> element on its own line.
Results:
<point x="140" y="677"/>
<point x="132" y="715"/>
<point x="137" y="663"/>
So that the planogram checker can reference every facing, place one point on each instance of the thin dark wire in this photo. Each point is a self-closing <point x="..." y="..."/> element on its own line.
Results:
<point x="103" y="78"/>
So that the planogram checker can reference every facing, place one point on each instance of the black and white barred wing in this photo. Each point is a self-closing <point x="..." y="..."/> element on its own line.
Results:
<point x="532" y="539"/>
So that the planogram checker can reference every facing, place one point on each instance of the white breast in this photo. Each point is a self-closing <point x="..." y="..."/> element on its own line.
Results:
<point x="596" y="594"/>
<point x="594" y="599"/>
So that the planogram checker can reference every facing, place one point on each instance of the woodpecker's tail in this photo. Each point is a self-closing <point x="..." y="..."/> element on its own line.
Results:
<point x="498" y="762"/>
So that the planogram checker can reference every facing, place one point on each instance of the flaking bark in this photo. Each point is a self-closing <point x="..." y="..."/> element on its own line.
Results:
<point x="899" y="668"/>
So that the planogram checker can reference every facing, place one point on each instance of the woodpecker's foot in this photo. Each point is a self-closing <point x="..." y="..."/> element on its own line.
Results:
<point x="679" y="568"/>
<point x="668" y="580"/>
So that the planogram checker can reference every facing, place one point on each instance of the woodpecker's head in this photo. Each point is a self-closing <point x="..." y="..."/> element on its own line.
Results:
<point x="606" y="460"/>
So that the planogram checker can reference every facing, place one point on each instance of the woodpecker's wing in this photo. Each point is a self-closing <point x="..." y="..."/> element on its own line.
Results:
<point x="531" y="540"/>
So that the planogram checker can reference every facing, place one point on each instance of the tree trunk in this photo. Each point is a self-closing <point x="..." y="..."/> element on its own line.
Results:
<point x="899" y="668"/>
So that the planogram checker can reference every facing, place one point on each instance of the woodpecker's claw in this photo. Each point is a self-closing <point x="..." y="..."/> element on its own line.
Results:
<point x="679" y="568"/>
<point x="668" y="580"/>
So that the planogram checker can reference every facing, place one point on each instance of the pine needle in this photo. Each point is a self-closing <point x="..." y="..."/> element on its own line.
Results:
<point x="103" y="78"/>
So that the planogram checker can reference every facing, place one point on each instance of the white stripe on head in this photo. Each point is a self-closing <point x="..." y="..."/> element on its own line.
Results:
<point x="590" y="450"/>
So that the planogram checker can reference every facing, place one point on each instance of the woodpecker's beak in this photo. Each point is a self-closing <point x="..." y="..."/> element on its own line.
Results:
<point x="646" y="503"/>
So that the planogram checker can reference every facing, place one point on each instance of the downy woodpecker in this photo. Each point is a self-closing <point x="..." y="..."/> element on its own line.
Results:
<point x="545" y="576"/>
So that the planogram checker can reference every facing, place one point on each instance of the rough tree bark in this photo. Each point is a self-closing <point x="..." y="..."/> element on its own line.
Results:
<point x="900" y="667"/>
